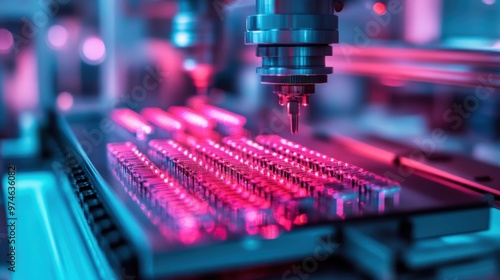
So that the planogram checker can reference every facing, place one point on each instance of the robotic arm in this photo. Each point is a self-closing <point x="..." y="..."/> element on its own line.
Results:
<point x="293" y="38"/>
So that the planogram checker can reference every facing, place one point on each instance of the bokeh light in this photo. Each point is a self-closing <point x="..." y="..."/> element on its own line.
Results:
<point x="57" y="37"/>
<point x="379" y="8"/>
<point x="189" y="64"/>
<point x="496" y="45"/>
<point x="181" y="39"/>
<point x="64" y="101"/>
<point x="94" y="50"/>
<point x="6" y="41"/>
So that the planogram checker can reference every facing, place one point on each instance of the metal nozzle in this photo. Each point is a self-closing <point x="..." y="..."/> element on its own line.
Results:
<point x="293" y="96"/>
<point x="293" y="108"/>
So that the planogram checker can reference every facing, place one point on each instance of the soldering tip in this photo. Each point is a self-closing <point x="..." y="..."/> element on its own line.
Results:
<point x="294" y="123"/>
<point x="294" y="112"/>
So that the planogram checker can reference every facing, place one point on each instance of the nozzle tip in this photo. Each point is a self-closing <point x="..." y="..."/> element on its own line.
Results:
<point x="294" y="112"/>
<point x="294" y="123"/>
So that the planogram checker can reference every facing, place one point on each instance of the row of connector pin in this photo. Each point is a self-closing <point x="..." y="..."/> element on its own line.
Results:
<point x="314" y="161"/>
<point x="282" y="166"/>
<point x="325" y="179"/>
<point x="237" y="208"/>
<point x="180" y="212"/>
<point x="244" y="173"/>
<point x="292" y="201"/>
<point x="291" y="191"/>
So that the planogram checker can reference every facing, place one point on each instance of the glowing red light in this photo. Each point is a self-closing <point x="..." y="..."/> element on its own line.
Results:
<point x="300" y="219"/>
<point x="162" y="119"/>
<point x="379" y="8"/>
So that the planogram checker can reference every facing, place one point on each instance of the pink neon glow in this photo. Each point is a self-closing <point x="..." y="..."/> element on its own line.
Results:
<point x="220" y="233"/>
<point x="131" y="121"/>
<point x="162" y="119"/>
<point x="270" y="231"/>
<point x="422" y="21"/>
<point x="189" y="236"/>
<point x="191" y="117"/>
<point x="188" y="222"/>
<point x="221" y="116"/>
<point x="300" y="219"/>
<point x="21" y="90"/>
<point x="94" y="50"/>
<point x="201" y="75"/>
<point x="340" y="207"/>
<point x="6" y="41"/>
<point x="392" y="82"/>
<point x="379" y="8"/>
<point x="64" y="101"/>
<point x="57" y="37"/>
<point x="489" y="2"/>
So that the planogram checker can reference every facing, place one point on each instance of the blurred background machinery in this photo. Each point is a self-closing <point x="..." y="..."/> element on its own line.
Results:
<point x="413" y="97"/>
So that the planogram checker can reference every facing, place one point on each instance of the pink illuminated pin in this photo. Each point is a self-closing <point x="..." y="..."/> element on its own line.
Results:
<point x="187" y="213"/>
<point x="191" y="117"/>
<point x="131" y="121"/>
<point x="162" y="119"/>
<point x="221" y="116"/>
